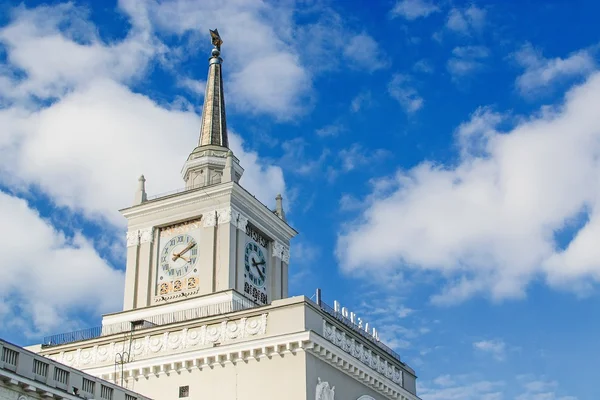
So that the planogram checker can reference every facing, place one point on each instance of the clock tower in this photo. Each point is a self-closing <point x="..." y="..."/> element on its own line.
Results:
<point x="206" y="310"/>
<point x="212" y="235"/>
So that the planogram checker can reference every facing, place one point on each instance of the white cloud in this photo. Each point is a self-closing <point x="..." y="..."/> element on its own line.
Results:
<point x="362" y="100"/>
<point x="195" y="86"/>
<point x="536" y="388"/>
<point x="364" y="52"/>
<point x="48" y="278"/>
<point x="330" y="130"/>
<point x="37" y="47"/>
<point x="86" y="148"/>
<point x="356" y="156"/>
<point x="487" y="223"/>
<point x="540" y="72"/>
<point x="461" y="387"/>
<point x="466" y="21"/>
<point x="401" y="88"/>
<point x="466" y="60"/>
<point x="413" y="9"/>
<point x="423" y="66"/>
<point x="258" y="49"/>
<point x="496" y="348"/>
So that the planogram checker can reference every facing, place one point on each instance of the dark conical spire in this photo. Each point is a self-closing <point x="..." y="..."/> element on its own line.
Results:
<point x="213" y="129"/>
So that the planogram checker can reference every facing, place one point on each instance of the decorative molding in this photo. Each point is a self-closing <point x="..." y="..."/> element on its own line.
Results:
<point x="363" y="353"/>
<point x="281" y="251"/>
<point x="133" y="238"/>
<point x="365" y="397"/>
<point x="224" y="215"/>
<point x="181" y="228"/>
<point x="239" y="220"/>
<point x="323" y="391"/>
<point x="210" y="219"/>
<point x="334" y="356"/>
<point x="147" y="235"/>
<point x="166" y="342"/>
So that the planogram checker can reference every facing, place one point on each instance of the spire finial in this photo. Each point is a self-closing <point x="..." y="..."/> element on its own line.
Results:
<point x="140" y="194"/>
<point x="216" y="39"/>
<point x="213" y="129"/>
<point x="279" y="207"/>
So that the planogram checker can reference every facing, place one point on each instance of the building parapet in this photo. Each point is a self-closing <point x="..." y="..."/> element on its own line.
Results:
<point x="237" y="304"/>
<point x="31" y="372"/>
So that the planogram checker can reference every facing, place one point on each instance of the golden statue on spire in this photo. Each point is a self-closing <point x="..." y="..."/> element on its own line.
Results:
<point x="216" y="39"/>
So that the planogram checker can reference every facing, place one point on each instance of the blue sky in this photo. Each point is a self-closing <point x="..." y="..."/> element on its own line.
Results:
<point x="439" y="159"/>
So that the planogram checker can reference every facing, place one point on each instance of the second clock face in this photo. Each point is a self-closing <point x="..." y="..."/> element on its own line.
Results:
<point x="255" y="264"/>
<point x="178" y="256"/>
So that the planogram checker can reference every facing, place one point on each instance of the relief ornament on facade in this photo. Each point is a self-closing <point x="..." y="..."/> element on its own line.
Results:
<point x="324" y="391"/>
<point x="361" y="352"/>
<point x="167" y="342"/>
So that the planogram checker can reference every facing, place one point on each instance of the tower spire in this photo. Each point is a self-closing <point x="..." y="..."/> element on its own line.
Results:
<point x="211" y="162"/>
<point x="213" y="129"/>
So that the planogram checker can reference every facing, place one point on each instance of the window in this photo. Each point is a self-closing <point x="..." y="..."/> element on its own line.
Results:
<point x="184" y="391"/>
<point x="130" y="397"/>
<point x="106" y="392"/>
<point x="40" y="368"/>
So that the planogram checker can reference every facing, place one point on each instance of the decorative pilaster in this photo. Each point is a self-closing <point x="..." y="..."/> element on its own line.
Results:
<point x="147" y="235"/>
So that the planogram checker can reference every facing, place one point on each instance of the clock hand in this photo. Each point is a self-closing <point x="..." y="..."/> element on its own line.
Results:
<point x="260" y="273"/>
<point x="255" y="265"/>
<point x="178" y="255"/>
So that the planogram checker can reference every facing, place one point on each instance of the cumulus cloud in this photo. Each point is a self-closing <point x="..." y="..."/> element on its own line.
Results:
<point x="464" y="387"/>
<point x="356" y="156"/>
<point x="487" y="224"/>
<point x="401" y="88"/>
<point x="496" y="348"/>
<point x="413" y="9"/>
<point x="466" y="59"/>
<point x="47" y="277"/>
<point x="540" y="72"/>
<point x="258" y="48"/>
<point x="364" y="52"/>
<point x="86" y="147"/>
<point x="539" y="388"/>
<point x="466" y="21"/>
<point x="361" y="101"/>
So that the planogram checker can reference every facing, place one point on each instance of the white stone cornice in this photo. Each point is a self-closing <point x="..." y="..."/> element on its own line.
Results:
<point x="210" y="357"/>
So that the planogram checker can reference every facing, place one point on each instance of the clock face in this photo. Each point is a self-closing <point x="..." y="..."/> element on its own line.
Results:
<point x="255" y="264"/>
<point x="178" y="256"/>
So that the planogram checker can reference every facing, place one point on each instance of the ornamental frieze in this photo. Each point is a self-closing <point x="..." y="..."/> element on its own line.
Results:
<point x="361" y="352"/>
<point x="167" y="342"/>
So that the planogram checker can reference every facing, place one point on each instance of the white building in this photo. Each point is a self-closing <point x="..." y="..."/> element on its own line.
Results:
<point x="206" y="311"/>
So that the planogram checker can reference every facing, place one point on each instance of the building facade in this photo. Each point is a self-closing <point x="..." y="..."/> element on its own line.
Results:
<point x="206" y="312"/>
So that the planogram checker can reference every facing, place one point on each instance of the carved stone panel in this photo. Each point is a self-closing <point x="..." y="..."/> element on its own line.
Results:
<point x="166" y="342"/>
<point x="361" y="352"/>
